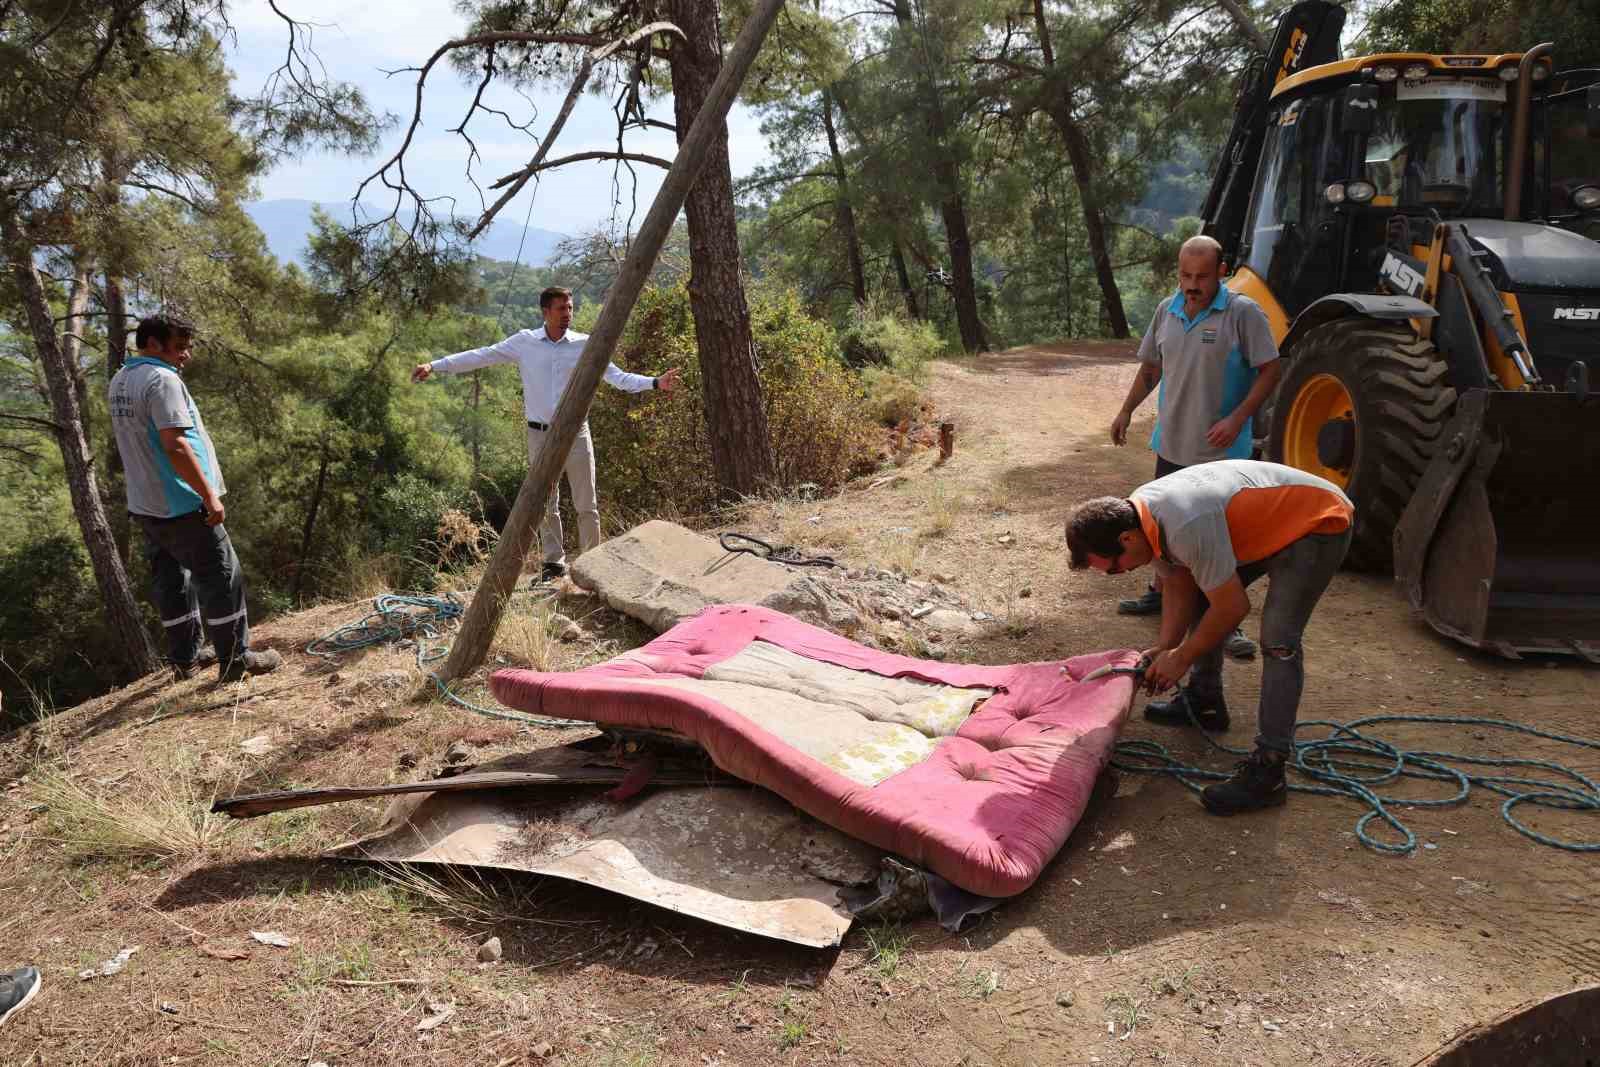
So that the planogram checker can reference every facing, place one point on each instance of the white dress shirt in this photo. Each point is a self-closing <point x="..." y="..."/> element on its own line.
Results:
<point x="546" y="366"/>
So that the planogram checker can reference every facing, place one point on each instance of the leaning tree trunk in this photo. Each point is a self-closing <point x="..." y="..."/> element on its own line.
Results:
<point x="127" y="624"/>
<point x="952" y="207"/>
<point x="736" y="417"/>
<point x="1082" y="160"/>
<point x="846" y="215"/>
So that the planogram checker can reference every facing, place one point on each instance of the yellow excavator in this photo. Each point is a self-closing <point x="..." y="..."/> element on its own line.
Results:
<point x="1423" y="232"/>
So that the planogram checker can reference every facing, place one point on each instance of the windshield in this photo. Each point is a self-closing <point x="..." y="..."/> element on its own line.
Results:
<point x="1574" y="157"/>
<point x="1436" y="144"/>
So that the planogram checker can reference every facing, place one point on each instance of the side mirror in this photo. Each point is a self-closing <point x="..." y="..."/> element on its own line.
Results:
<point x="1360" y="108"/>
<point x="1594" y="110"/>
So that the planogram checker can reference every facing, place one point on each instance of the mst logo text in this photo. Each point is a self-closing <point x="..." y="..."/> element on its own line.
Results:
<point x="1578" y="314"/>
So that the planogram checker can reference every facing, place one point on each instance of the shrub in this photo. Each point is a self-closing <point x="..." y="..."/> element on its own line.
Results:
<point x="654" y="452"/>
<point x="886" y="339"/>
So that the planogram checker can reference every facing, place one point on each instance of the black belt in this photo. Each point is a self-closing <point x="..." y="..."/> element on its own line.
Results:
<point x="196" y="513"/>
<point x="542" y="427"/>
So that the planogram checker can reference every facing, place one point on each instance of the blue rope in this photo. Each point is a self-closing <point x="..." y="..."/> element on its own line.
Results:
<point x="1327" y="761"/>
<point x="399" y="617"/>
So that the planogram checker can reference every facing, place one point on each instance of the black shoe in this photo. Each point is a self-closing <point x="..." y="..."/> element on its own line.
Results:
<point x="1148" y="604"/>
<point x="184" y="671"/>
<point x="1210" y="711"/>
<point x="263" y="662"/>
<point x="1257" y="782"/>
<point x="553" y="571"/>
<point x="16" y="989"/>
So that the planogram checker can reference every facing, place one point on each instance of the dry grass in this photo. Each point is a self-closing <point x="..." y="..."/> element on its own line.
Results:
<point x="169" y="816"/>
<point x="466" y="895"/>
<point x="943" y="508"/>
<point x="526" y="636"/>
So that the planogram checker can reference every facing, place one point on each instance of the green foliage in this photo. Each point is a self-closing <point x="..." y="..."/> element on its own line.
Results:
<point x="50" y="615"/>
<point x="890" y="340"/>
<point x="653" y="451"/>
<point x="1491" y="26"/>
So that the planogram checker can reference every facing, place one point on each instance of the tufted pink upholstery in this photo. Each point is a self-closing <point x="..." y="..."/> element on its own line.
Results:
<point x="987" y="809"/>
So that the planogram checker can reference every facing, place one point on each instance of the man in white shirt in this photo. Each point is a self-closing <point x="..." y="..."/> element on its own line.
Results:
<point x="546" y="357"/>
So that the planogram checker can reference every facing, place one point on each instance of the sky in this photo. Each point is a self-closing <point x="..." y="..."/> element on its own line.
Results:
<point x="358" y="40"/>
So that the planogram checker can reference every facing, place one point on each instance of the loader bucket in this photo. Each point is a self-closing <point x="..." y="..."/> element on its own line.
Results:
<point x="1500" y="545"/>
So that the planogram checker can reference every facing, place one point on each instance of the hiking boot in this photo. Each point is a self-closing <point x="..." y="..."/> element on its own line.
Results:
<point x="1148" y="604"/>
<point x="553" y="571"/>
<point x="16" y="989"/>
<point x="184" y="671"/>
<point x="1209" y="710"/>
<point x="1257" y="782"/>
<point x="251" y="662"/>
<point x="1239" y="646"/>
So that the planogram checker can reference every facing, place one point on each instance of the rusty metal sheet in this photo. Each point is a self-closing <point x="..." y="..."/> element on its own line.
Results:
<point x="738" y="857"/>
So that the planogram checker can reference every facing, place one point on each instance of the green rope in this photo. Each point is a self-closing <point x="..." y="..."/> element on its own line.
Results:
<point x="400" y="617"/>
<point x="1328" y="762"/>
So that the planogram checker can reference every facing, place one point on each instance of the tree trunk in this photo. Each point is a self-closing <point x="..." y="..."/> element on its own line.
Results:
<point x="736" y="417"/>
<point x="695" y="152"/>
<point x="904" y="277"/>
<point x="72" y="337"/>
<point x="1082" y="159"/>
<point x="127" y="623"/>
<point x="952" y="208"/>
<point x="1246" y="24"/>
<point x="116" y="355"/>
<point x="846" y="215"/>
<point x="311" y="524"/>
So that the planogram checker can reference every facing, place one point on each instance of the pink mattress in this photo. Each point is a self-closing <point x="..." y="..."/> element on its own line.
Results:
<point x="984" y="798"/>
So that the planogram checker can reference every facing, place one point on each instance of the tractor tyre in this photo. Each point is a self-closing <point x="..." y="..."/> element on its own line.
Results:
<point x="1363" y="404"/>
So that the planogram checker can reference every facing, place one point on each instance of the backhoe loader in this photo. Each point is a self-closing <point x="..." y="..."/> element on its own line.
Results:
<point x="1421" y="231"/>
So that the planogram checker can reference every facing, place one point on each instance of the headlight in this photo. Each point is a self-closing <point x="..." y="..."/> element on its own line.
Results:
<point x="1334" y="193"/>
<point x="1508" y="73"/>
<point x="1586" y="198"/>
<point x="1541" y="71"/>
<point x="1386" y="74"/>
<point x="1417" y="71"/>
<point x="1360" y="192"/>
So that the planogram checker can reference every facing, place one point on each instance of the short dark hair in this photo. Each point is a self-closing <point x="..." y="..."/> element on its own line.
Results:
<point x="552" y="294"/>
<point x="1097" y="526"/>
<point x="161" y="328"/>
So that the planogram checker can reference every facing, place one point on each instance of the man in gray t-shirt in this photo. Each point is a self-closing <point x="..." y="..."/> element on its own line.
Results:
<point x="1211" y="358"/>
<point x="175" y="493"/>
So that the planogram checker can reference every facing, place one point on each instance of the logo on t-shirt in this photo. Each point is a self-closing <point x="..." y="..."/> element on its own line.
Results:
<point x="1208" y="337"/>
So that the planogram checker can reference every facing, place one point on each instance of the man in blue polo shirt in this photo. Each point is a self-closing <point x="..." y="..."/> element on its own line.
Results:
<point x="1212" y="355"/>
<point x="175" y="491"/>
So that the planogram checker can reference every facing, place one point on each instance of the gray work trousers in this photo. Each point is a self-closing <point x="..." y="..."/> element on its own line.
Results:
<point x="1300" y="573"/>
<point x="580" y="480"/>
<point x="198" y="584"/>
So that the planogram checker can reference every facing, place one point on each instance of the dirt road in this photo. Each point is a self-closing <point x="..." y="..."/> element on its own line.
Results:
<point x="1160" y="934"/>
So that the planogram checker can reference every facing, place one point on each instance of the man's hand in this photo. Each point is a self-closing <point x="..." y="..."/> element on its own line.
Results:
<point x="669" y="381"/>
<point x="1223" y="433"/>
<point x="421" y="372"/>
<point x="1166" y="670"/>
<point x="1119" y="428"/>
<point x="214" y="509"/>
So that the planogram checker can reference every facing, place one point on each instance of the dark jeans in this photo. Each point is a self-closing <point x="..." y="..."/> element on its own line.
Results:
<point x="1300" y="572"/>
<point x="196" y="579"/>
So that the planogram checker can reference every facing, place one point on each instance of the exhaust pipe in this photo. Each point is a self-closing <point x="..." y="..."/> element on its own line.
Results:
<point x="1519" y="128"/>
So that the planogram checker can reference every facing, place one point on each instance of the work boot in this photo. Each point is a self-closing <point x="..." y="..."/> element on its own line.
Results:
<point x="1148" y="604"/>
<point x="1257" y="782"/>
<point x="16" y="989"/>
<point x="184" y="671"/>
<point x="250" y="662"/>
<point x="553" y="571"/>
<point x="1238" y="645"/>
<point x="1210" y="710"/>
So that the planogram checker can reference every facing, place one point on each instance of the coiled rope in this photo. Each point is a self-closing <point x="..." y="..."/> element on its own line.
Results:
<point x="413" y="617"/>
<point x="1327" y="762"/>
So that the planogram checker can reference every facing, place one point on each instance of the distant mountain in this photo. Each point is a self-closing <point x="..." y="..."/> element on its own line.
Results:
<point x="287" y="226"/>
